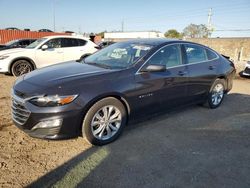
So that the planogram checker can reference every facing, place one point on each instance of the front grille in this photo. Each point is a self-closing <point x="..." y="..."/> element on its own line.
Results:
<point x="19" y="113"/>
<point x="20" y="94"/>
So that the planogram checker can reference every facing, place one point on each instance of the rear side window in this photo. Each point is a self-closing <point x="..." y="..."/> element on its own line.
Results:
<point x="210" y="55"/>
<point x="195" y="53"/>
<point x="81" y="42"/>
<point x="69" y="42"/>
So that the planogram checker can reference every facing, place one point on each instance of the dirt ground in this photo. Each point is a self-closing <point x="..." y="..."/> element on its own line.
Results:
<point x="25" y="160"/>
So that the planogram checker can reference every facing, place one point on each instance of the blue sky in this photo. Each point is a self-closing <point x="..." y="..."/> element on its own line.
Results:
<point x="137" y="15"/>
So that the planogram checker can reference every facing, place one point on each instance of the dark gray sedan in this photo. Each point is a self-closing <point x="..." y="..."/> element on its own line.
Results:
<point x="126" y="80"/>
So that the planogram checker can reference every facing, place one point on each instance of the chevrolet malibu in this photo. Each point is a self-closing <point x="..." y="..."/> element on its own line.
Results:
<point x="96" y="97"/>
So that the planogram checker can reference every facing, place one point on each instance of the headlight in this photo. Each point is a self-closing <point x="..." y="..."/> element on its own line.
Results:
<point x="50" y="101"/>
<point x="3" y="57"/>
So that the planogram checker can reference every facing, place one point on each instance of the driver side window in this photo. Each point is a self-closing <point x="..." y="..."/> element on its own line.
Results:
<point x="54" y="43"/>
<point x="170" y="56"/>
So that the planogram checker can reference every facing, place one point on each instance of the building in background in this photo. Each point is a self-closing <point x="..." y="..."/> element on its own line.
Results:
<point x="121" y="36"/>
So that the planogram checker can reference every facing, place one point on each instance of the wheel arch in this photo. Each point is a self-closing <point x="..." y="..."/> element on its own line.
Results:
<point x="223" y="77"/>
<point x="22" y="58"/>
<point x="115" y="95"/>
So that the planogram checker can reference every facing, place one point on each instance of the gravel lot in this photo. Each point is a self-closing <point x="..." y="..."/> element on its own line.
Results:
<point x="191" y="147"/>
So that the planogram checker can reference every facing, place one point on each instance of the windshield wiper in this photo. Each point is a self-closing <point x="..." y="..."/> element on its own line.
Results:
<point x="99" y="65"/>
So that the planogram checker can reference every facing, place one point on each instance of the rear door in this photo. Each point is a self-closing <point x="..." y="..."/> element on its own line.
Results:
<point x="157" y="90"/>
<point x="71" y="48"/>
<point x="202" y="68"/>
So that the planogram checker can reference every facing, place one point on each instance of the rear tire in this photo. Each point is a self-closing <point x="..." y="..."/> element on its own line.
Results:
<point x="216" y="94"/>
<point x="104" y="121"/>
<point x="21" y="67"/>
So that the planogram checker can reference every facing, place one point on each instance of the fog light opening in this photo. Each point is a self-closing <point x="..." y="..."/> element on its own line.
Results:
<point x="48" y="124"/>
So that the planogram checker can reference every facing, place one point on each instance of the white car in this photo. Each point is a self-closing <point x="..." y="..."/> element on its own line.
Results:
<point x="246" y="71"/>
<point x="44" y="52"/>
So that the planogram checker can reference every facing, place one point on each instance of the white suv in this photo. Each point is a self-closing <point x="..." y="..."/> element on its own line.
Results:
<point x="44" y="52"/>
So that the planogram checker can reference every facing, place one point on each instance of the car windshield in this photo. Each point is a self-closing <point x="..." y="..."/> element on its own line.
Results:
<point x="11" y="42"/>
<point x="36" y="43"/>
<point x="118" y="56"/>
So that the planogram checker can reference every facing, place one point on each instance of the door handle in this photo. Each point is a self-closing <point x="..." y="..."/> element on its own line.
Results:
<point x="182" y="73"/>
<point x="211" y="67"/>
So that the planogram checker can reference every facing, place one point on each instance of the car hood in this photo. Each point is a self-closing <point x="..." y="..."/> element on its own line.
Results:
<point x="12" y="50"/>
<point x="62" y="73"/>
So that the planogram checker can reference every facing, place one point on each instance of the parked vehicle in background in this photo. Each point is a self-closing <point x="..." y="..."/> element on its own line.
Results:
<point x="129" y="79"/>
<point x="44" y="52"/>
<point x="20" y="43"/>
<point x="246" y="71"/>
<point x="104" y="44"/>
<point x="69" y="32"/>
<point x="12" y="28"/>
<point x="44" y="30"/>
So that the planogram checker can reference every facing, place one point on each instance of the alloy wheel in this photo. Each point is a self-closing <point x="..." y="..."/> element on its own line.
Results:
<point x="22" y="67"/>
<point x="217" y="94"/>
<point x="106" y="122"/>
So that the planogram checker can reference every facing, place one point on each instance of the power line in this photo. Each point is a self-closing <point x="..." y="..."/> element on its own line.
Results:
<point x="233" y="30"/>
<point x="225" y="8"/>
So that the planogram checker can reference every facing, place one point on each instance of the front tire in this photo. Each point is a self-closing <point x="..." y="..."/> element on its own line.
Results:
<point x="216" y="93"/>
<point x="104" y="121"/>
<point x="21" y="67"/>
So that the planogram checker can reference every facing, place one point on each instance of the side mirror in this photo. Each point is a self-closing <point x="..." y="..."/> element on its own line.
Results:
<point x="44" y="47"/>
<point x="82" y="57"/>
<point x="154" y="68"/>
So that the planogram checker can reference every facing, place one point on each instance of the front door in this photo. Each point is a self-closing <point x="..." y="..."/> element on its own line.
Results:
<point x="50" y="56"/>
<point x="165" y="89"/>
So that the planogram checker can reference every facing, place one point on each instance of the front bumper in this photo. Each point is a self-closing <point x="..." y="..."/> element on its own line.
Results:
<point x="4" y="66"/>
<point x="246" y="71"/>
<point x="28" y="117"/>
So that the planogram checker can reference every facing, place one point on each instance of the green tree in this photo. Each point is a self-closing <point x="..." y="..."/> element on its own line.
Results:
<point x="196" y="31"/>
<point x="173" y="33"/>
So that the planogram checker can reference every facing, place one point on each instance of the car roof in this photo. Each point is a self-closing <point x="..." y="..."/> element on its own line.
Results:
<point x="27" y="39"/>
<point x="65" y="36"/>
<point x="160" y="41"/>
<point x="153" y="41"/>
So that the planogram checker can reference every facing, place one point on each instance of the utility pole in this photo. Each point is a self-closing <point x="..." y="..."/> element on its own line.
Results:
<point x="209" y="23"/>
<point x="122" y="25"/>
<point x="79" y="30"/>
<point x="54" y="15"/>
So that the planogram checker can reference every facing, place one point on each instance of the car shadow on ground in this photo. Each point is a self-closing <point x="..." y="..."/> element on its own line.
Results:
<point x="189" y="147"/>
